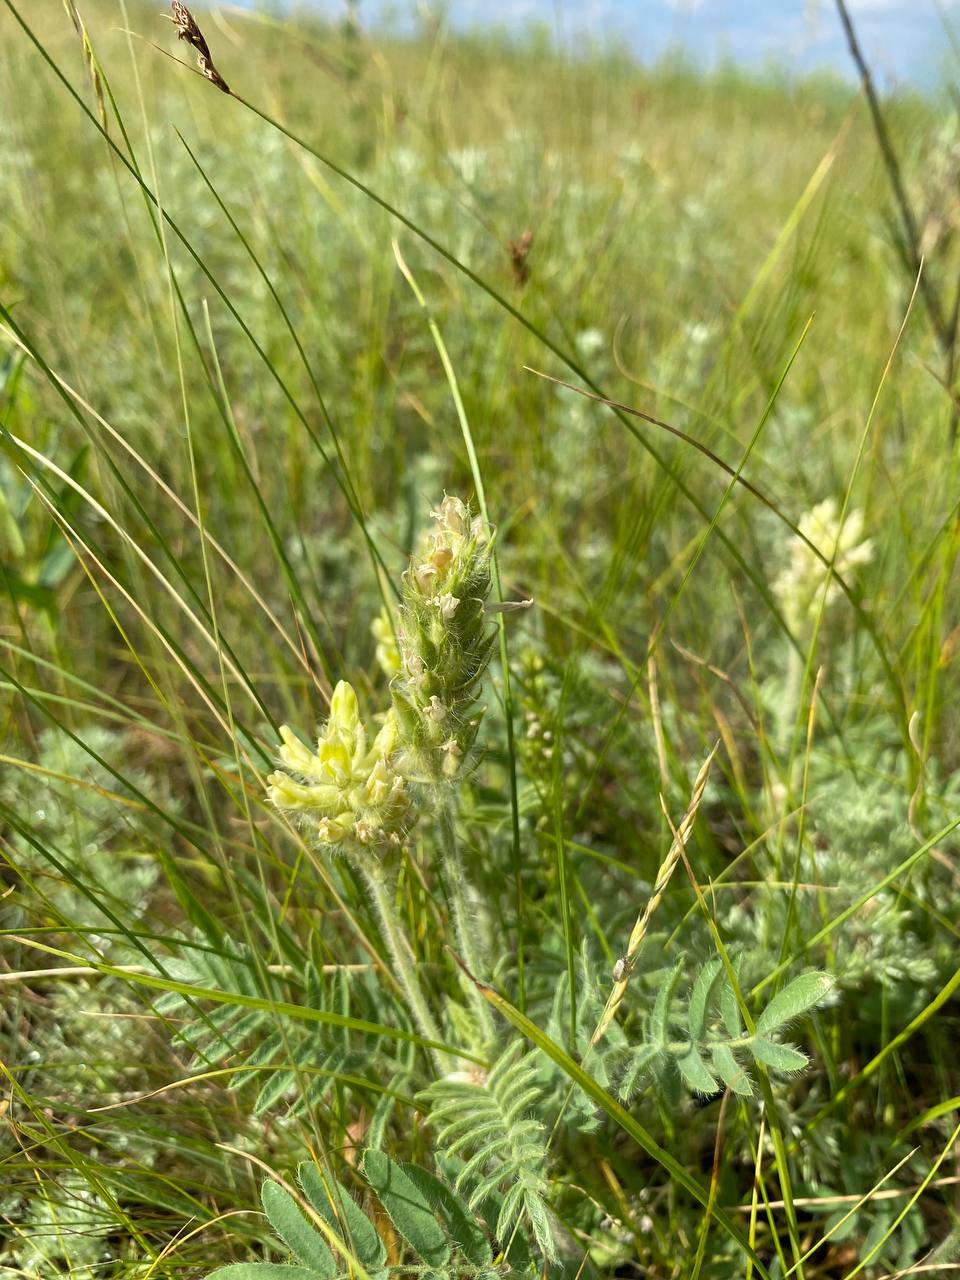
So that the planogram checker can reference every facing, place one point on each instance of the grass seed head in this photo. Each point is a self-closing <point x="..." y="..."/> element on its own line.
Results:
<point x="188" y="30"/>
<point x="519" y="253"/>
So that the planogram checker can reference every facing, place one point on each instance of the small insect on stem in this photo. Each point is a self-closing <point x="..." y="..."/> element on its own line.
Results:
<point x="621" y="969"/>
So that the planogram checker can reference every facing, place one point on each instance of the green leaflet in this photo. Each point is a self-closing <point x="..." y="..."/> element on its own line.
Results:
<point x="796" y="998"/>
<point x="733" y="1075"/>
<point x="297" y="1234"/>
<point x="701" y="997"/>
<point x="408" y="1209"/>
<point x="467" y="1234"/>
<point x="340" y="1211"/>
<point x="694" y="1071"/>
<point x="730" y="1011"/>
<point x="778" y="1057"/>
<point x="421" y="1207"/>
<point x="659" y="1025"/>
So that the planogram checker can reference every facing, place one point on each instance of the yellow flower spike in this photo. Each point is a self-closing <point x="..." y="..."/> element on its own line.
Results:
<point x="806" y="582"/>
<point x="387" y="653"/>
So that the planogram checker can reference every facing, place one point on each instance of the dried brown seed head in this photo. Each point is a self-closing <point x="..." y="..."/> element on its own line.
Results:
<point x="519" y="252"/>
<point x="188" y="30"/>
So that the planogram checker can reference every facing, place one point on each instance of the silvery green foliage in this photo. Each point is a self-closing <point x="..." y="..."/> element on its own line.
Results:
<point x="695" y="1035"/>
<point x="493" y="1122"/>
<point x="437" y="1231"/>
<point x="679" y="1032"/>
<point x="289" y="1065"/>
<point x="64" y="1230"/>
<point x="858" y="832"/>
<point x="90" y="843"/>
<point x="80" y="845"/>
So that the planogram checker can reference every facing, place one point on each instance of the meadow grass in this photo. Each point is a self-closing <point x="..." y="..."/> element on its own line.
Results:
<point x="702" y="1016"/>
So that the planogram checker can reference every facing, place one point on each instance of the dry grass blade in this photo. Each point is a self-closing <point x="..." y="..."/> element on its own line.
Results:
<point x="188" y="30"/>
<point x="624" y="966"/>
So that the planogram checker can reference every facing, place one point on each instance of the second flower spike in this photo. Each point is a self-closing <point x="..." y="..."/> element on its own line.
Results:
<point x="444" y="643"/>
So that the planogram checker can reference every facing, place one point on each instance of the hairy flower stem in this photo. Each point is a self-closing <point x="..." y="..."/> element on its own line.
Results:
<point x="404" y="965"/>
<point x="455" y="882"/>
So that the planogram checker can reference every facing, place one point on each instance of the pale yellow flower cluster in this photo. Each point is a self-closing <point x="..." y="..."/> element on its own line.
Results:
<point x="807" y="582"/>
<point x="355" y="795"/>
<point x="349" y="793"/>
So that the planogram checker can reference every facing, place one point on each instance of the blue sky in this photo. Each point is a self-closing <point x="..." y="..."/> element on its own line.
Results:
<point x="905" y="41"/>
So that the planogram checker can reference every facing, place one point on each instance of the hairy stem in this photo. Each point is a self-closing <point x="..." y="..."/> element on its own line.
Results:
<point x="466" y="931"/>
<point x="404" y="964"/>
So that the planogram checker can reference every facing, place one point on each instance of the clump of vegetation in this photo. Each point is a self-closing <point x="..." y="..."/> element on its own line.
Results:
<point x="360" y="915"/>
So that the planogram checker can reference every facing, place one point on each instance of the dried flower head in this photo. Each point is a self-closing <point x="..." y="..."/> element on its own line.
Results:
<point x="351" y="795"/>
<point x="188" y="30"/>
<point x="519" y="255"/>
